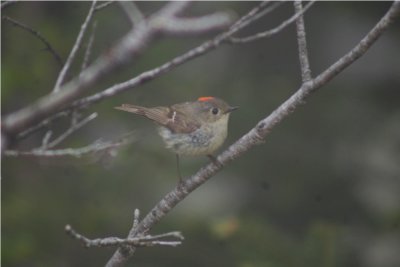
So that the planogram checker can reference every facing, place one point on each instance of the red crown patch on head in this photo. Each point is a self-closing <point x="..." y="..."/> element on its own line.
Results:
<point x="205" y="98"/>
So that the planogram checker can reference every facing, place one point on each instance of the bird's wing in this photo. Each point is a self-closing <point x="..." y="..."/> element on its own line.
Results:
<point x="165" y="116"/>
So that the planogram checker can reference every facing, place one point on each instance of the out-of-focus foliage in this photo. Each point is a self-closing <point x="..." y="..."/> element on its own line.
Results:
<point x="324" y="190"/>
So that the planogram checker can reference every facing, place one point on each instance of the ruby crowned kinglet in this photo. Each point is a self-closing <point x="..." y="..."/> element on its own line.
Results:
<point x="191" y="128"/>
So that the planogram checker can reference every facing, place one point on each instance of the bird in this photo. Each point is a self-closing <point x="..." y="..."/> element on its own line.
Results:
<point x="195" y="128"/>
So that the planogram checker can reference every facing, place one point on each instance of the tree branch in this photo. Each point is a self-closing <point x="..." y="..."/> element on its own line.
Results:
<point x="5" y="4"/>
<point x="36" y="34"/>
<point x="69" y="131"/>
<point x="75" y="48"/>
<point x="256" y="13"/>
<point x="255" y="136"/>
<point x="175" y="62"/>
<point x="132" y="12"/>
<point x="89" y="46"/>
<point x="103" y="5"/>
<point x="269" y="33"/>
<point x="139" y="241"/>
<point x="42" y="124"/>
<point x="166" y="67"/>
<point x="133" y="43"/>
<point x="73" y="152"/>
<point x="302" y="43"/>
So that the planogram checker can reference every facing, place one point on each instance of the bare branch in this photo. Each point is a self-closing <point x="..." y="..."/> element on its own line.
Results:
<point x="144" y="241"/>
<point x="256" y="13"/>
<point x="269" y="33"/>
<point x="5" y="4"/>
<point x="199" y="25"/>
<point x="132" y="12"/>
<point x="89" y="46"/>
<point x="103" y="5"/>
<point x="42" y="124"/>
<point x="46" y="139"/>
<point x="136" y="216"/>
<point x="302" y="43"/>
<point x="134" y="42"/>
<point x="70" y="130"/>
<point x="254" y="136"/>
<point x="173" y="9"/>
<point x="250" y="14"/>
<point x="73" y="152"/>
<point x="138" y="241"/>
<point x="36" y="34"/>
<point x="75" y="48"/>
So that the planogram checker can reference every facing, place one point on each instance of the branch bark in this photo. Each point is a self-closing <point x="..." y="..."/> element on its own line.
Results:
<point x="255" y="136"/>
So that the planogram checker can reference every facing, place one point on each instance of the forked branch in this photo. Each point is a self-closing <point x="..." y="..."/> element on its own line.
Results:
<point x="167" y="239"/>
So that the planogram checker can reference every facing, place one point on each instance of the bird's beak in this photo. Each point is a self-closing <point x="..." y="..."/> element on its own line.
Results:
<point x="230" y="109"/>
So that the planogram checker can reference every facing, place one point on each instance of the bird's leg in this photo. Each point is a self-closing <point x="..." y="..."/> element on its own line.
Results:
<point x="215" y="161"/>
<point x="178" y="169"/>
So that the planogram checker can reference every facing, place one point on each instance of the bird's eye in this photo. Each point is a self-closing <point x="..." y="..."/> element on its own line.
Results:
<point x="215" y="111"/>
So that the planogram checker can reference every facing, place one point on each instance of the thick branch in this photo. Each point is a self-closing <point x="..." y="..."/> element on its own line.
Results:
<point x="254" y="136"/>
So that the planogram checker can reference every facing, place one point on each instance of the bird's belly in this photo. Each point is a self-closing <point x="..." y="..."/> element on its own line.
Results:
<point x="200" y="142"/>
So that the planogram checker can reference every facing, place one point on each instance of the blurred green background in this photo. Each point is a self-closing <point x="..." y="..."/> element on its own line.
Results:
<point x="324" y="190"/>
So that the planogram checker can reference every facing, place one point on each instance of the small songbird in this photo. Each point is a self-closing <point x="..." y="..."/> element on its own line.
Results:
<point x="196" y="128"/>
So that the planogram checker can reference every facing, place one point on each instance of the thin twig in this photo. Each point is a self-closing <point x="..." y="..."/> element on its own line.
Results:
<point x="42" y="124"/>
<point x="89" y="46"/>
<point x="255" y="135"/>
<point x="249" y="14"/>
<point x="75" y="48"/>
<point x="46" y="139"/>
<point x="269" y="33"/>
<point x="73" y="152"/>
<point x="37" y="34"/>
<point x="69" y="131"/>
<point x="302" y="43"/>
<point x="145" y="241"/>
<point x="257" y="13"/>
<point x="136" y="216"/>
<point x="5" y="4"/>
<point x="103" y="5"/>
